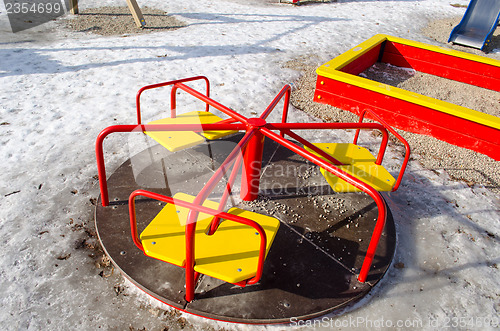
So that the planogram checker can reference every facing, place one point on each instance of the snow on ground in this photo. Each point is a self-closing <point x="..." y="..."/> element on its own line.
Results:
<point x="59" y="89"/>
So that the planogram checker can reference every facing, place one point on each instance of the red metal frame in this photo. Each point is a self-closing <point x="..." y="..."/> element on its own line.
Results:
<point x="247" y="154"/>
<point x="222" y="204"/>
<point x="172" y="94"/>
<point x="381" y="152"/>
<point x="101" y="168"/>
<point x="443" y="65"/>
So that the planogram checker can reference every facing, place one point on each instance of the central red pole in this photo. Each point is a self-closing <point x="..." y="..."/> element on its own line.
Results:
<point x="252" y="162"/>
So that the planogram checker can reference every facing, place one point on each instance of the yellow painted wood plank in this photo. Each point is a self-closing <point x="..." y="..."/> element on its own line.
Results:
<point x="354" y="53"/>
<point x="349" y="56"/>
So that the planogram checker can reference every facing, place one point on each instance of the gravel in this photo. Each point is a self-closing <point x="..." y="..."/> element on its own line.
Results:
<point x="113" y="21"/>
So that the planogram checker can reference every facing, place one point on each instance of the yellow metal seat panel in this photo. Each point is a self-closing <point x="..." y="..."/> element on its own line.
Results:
<point x="370" y="173"/>
<point x="163" y="238"/>
<point x="177" y="140"/>
<point x="231" y="254"/>
<point x="345" y="153"/>
<point x="207" y="118"/>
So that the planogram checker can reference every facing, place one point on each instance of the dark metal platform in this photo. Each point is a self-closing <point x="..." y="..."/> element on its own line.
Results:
<point x="312" y="266"/>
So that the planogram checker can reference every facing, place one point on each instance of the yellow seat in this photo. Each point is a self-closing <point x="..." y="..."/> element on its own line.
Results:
<point x="230" y="254"/>
<point x="370" y="173"/>
<point x="358" y="162"/>
<point x="345" y="153"/>
<point x="177" y="140"/>
<point x="164" y="236"/>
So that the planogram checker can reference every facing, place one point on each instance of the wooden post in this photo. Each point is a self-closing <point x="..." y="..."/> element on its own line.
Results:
<point x="136" y="13"/>
<point x="73" y="4"/>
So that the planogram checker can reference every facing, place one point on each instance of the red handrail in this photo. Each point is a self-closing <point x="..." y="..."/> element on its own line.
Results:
<point x="101" y="169"/>
<point x="397" y="135"/>
<point x="285" y="91"/>
<point x="324" y="126"/>
<point x="317" y="150"/>
<point x="315" y="126"/>
<point x="172" y="98"/>
<point x="213" y="103"/>
<point x="227" y="191"/>
<point x="199" y="200"/>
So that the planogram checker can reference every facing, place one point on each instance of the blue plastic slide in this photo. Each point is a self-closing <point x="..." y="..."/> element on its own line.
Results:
<point x="478" y="24"/>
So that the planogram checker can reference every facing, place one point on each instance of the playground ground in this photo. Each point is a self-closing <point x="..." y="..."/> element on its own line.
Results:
<point x="60" y="87"/>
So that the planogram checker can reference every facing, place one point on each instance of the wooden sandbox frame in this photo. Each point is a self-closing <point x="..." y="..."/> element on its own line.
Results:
<point x="339" y="85"/>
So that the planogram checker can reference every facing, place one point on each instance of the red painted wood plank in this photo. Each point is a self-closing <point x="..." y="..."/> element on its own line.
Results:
<point x="411" y="117"/>
<point x="488" y="82"/>
<point x="416" y="53"/>
<point x="396" y="105"/>
<point x="363" y="62"/>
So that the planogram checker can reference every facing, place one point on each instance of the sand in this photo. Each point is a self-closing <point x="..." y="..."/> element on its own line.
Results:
<point x="484" y="100"/>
